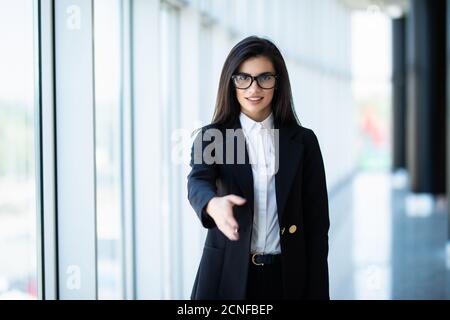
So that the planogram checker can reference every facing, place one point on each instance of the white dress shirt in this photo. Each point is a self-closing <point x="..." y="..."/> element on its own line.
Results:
<point x="261" y="149"/>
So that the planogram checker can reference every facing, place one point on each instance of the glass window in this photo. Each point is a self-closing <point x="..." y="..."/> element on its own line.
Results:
<point x="18" y="271"/>
<point x="206" y="72"/>
<point x="108" y="144"/>
<point x="170" y="180"/>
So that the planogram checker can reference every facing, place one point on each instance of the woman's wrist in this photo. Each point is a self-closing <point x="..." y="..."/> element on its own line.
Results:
<point x="210" y="206"/>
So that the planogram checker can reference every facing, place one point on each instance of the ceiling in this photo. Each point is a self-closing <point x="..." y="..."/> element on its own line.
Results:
<point x="393" y="8"/>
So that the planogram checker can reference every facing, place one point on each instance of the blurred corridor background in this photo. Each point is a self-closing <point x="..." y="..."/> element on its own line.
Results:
<point x="98" y="100"/>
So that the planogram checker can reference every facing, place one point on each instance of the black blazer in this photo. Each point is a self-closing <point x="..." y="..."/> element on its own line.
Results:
<point x="302" y="201"/>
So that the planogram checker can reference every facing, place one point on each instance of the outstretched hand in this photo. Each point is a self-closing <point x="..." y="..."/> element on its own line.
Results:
<point x="221" y="210"/>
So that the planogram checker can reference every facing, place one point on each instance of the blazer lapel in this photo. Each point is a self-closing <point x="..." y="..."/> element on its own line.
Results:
<point x="289" y="150"/>
<point x="242" y="171"/>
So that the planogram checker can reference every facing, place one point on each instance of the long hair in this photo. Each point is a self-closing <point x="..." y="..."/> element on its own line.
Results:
<point x="227" y="107"/>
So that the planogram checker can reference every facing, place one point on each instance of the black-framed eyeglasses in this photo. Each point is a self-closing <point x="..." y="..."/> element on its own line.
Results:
<point x="244" y="80"/>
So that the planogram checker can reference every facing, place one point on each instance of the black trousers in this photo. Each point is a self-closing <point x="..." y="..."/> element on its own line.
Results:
<point x="265" y="282"/>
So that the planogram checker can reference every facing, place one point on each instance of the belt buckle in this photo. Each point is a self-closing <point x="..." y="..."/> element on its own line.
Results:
<point x="253" y="259"/>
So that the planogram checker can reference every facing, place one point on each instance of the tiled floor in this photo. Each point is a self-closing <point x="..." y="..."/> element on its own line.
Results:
<point x="386" y="243"/>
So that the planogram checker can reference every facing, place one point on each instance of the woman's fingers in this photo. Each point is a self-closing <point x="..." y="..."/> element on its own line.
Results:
<point x="231" y="228"/>
<point x="232" y="225"/>
<point x="234" y="199"/>
<point x="222" y="212"/>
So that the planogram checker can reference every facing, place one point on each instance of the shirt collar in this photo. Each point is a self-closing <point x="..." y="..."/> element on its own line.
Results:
<point x="248" y="124"/>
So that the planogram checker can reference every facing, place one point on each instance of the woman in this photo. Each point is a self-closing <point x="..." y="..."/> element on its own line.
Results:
<point x="265" y="204"/>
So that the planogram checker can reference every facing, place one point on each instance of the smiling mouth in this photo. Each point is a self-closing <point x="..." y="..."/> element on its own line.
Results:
<point x="254" y="99"/>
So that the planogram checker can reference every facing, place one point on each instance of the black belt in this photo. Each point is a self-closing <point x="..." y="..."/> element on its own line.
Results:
<point x="259" y="259"/>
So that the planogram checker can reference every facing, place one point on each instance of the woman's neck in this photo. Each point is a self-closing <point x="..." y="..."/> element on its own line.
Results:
<point x="258" y="117"/>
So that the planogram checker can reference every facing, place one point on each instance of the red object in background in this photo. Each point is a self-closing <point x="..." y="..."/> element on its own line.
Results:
<point x="371" y="125"/>
<point x="31" y="287"/>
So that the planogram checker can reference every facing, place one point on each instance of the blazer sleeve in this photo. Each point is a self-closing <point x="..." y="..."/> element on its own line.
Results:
<point x="201" y="181"/>
<point x="316" y="219"/>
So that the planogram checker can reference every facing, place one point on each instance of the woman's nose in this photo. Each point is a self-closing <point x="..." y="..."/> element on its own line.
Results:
<point x="254" y="87"/>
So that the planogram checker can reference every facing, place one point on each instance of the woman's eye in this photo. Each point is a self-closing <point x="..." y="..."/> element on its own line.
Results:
<point x="242" y="77"/>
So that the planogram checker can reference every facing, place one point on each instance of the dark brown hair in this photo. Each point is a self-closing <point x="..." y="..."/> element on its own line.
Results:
<point x="227" y="106"/>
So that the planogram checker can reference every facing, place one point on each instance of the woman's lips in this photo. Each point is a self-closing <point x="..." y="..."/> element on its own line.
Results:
<point x="254" y="100"/>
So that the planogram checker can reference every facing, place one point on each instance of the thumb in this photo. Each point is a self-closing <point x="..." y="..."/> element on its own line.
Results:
<point x="236" y="199"/>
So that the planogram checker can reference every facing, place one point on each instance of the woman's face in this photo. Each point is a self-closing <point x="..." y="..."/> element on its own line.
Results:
<point x="256" y="102"/>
